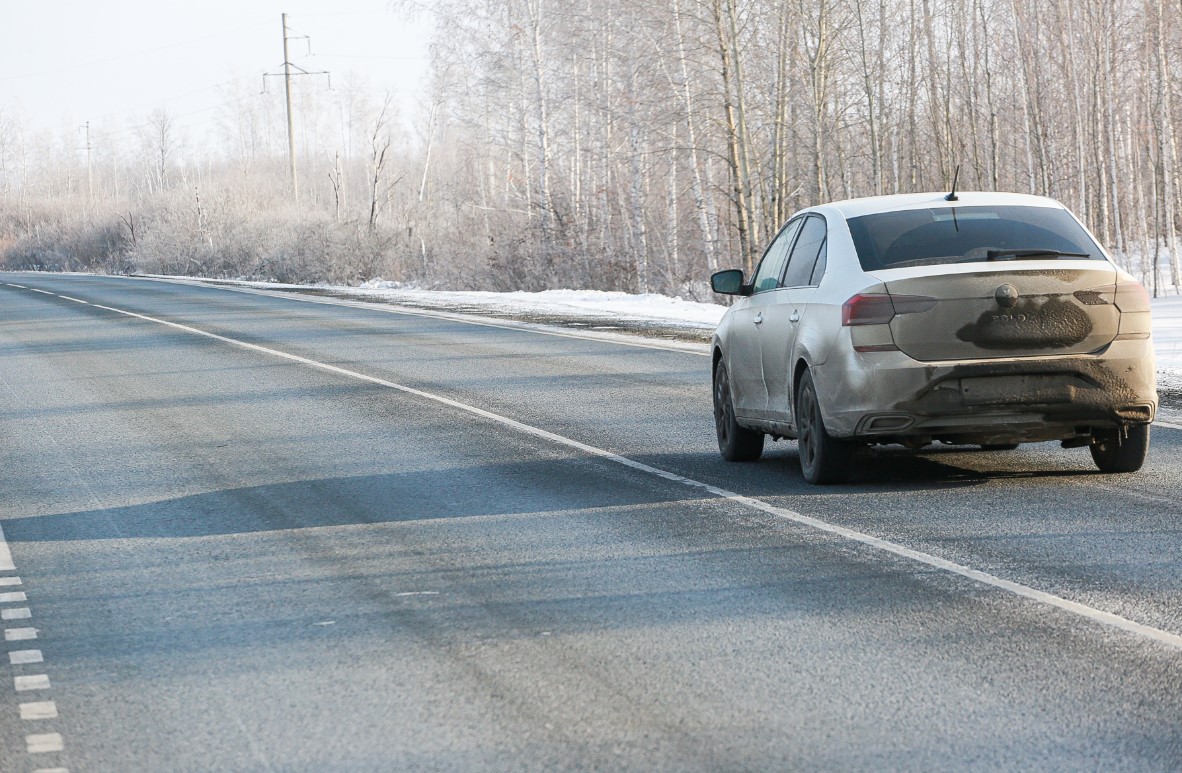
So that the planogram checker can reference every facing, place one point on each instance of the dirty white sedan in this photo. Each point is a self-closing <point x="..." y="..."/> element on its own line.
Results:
<point x="984" y="318"/>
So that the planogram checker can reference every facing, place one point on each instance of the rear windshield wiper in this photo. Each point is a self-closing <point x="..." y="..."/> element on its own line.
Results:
<point x="1033" y="254"/>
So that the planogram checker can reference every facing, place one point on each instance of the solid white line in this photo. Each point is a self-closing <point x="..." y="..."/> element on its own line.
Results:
<point x="701" y="350"/>
<point x="25" y="657"/>
<point x="21" y="613"/>
<point x="1167" y="425"/>
<point x="1076" y="608"/>
<point x="44" y="743"/>
<point x="6" y="582"/>
<point x="20" y="634"/>
<point x="14" y="596"/>
<point x="31" y="682"/>
<point x="6" y="564"/>
<point x="75" y="300"/>
<point x="39" y="710"/>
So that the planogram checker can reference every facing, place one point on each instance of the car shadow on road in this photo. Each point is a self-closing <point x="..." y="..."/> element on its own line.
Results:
<point x="893" y="469"/>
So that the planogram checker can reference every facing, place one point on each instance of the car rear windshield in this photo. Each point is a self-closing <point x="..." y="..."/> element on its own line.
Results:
<point x="918" y="237"/>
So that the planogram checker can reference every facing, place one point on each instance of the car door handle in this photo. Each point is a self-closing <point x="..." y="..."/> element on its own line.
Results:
<point x="758" y="318"/>
<point x="795" y="316"/>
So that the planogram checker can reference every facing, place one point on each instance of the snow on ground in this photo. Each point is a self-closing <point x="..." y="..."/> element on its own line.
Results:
<point x="570" y="303"/>
<point x="1167" y="340"/>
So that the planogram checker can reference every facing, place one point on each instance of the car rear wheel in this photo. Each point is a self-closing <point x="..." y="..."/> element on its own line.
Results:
<point x="735" y="443"/>
<point x="1114" y="450"/>
<point x="823" y="459"/>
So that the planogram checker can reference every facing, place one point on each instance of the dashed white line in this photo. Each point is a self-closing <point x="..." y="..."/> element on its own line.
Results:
<point x="44" y="743"/>
<point x="1082" y="610"/>
<point x="38" y="710"/>
<point x="75" y="300"/>
<point x="31" y="682"/>
<point x="32" y="711"/>
<point x="43" y="292"/>
<point x="25" y="657"/>
<point x="20" y="634"/>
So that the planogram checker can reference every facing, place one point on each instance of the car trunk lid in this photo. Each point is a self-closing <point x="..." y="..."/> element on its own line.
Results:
<point x="1042" y="307"/>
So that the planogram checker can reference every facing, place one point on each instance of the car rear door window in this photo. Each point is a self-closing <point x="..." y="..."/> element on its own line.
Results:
<point x="771" y="268"/>
<point x="805" y="253"/>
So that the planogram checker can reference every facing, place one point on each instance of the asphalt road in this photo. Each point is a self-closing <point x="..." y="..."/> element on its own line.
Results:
<point x="252" y="533"/>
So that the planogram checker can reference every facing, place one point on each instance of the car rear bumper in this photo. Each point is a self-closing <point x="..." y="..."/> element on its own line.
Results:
<point x="884" y="396"/>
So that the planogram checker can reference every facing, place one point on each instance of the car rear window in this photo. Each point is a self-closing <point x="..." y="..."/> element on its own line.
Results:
<point x="917" y="237"/>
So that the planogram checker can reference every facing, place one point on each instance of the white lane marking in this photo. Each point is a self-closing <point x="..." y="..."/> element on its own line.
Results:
<point x="20" y="634"/>
<point x="39" y="710"/>
<point x="1083" y="610"/>
<point x="20" y="286"/>
<point x="75" y="300"/>
<point x="6" y="564"/>
<point x="43" y="292"/>
<point x="418" y="593"/>
<point x="31" y="682"/>
<point x="702" y="350"/>
<point x="38" y="743"/>
<point x="1167" y="425"/>
<point x="44" y="743"/>
<point x="25" y="657"/>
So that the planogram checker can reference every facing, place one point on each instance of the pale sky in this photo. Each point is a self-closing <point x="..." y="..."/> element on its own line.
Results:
<point x="112" y="62"/>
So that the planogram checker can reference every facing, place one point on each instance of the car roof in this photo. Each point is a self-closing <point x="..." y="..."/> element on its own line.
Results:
<point x="875" y="204"/>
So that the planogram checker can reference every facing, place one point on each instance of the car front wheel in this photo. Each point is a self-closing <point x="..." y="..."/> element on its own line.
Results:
<point x="735" y="443"/>
<point x="823" y="459"/>
<point x="1117" y="451"/>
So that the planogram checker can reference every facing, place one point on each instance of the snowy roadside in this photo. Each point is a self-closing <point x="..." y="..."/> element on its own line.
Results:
<point x="658" y="316"/>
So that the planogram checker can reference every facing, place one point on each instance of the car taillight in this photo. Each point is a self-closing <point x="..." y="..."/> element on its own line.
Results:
<point x="880" y="308"/>
<point x="1131" y="297"/>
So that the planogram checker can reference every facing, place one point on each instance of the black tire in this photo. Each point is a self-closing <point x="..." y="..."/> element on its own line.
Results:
<point x="998" y="446"/>
<point x="735" y="443"/>
<point x="823" y="459"/>
<point x="1114" y="450"/>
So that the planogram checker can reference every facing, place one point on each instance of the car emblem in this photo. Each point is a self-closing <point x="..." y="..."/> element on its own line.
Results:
<point x="1007" y="296"/>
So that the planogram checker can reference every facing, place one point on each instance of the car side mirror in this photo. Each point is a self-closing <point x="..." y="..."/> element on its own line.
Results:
<point x="729" y="282"/>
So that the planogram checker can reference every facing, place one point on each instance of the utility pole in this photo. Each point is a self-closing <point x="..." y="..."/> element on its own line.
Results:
<point x="89" y="173"/>
<point x="287" y="74"/>
<point x="295" y="190"/>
